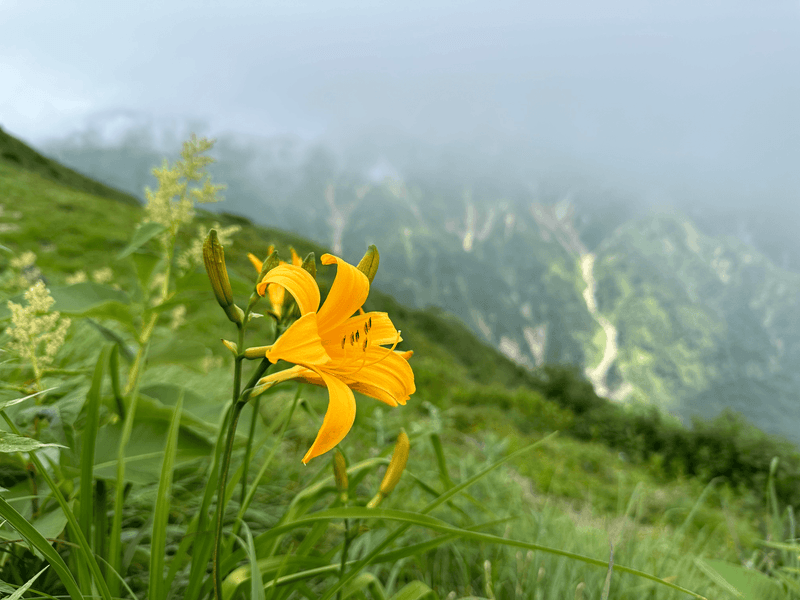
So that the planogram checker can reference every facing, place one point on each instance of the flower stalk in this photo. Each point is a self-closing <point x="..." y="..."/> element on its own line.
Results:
<point x="239" y="401"/>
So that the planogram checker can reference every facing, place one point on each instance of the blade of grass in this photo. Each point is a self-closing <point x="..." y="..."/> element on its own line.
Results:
<point x="24" y="587"/>
<point x="115" y="538"/>
<point x="158" y="543"/>
<point x="412" y="518"/>
<point x="414" y="590"/>
<point x="482" y="537"/>
<point x="35" y="539"/>
<point x="256" y="587"/>
<point x="101" y="523"/>
<point x="89" y="439"/>
<point x="73" y="526"/>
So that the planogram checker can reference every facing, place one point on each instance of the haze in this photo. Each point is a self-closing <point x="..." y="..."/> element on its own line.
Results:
<point x="691" y="99"/>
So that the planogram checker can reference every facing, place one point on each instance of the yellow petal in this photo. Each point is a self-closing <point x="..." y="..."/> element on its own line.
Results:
<point x="256" y="262"/>
<point x="338" y="419"/>
<point x="276" y="295"/>
<point x="348" y="293"/>
<point x="296" y="372"/>
<point x="389" y="378"/>
<point x="296" y="260"/>
<point x="298" y="282"/>
<point x="300" y="344"/>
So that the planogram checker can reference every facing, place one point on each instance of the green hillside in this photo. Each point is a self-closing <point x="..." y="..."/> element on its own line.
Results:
<point x="705" y="323"/>
<point x="473" y="405"/>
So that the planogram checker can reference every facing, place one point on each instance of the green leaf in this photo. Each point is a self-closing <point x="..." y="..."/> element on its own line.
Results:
<point x="145" y="265"/>
<point x="37" y="540"/>
<point x="256" y="585"/>
<point x="748" y="584"/>
<point x="268" y="568"/>
<point x="143" y="234"/>
<point x="82" y="297"/>
<point x="10" y="442"/>
<point x="158" y="543"/>
<point x="144" y="452"/>
<point x="362" y="582"/>
<point x="414" y="591"/>
<point x="177" y="351"/>
<point x="89" y="438"/>
<point x="52" y="524"/>
<point x="114" y="337"/>
<point x="24" y="587"/>
<point x="7" y="403"/>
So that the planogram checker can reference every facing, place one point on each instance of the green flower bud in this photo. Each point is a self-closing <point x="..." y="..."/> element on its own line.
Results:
<point x="273" y="260"/>
<point x="214" y="260"/>
<point x="369" y="264"/>
<point x="396" y="467"/>
<point x="310" y="264"/>
<point x="340" y="474"/>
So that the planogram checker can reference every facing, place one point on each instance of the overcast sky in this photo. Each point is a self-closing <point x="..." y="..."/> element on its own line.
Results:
<point x="698" y="91"/>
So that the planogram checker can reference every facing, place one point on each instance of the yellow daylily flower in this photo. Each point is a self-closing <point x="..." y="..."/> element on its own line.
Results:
<point x="275" y="292"/>
<point x="338" y="346"/>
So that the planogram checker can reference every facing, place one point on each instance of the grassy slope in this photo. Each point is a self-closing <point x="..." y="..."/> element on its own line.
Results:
<point x="72" y="230"/>
<point x="15" y="152"/>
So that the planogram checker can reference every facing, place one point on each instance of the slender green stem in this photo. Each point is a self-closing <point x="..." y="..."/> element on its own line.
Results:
<point x="150" y="325"/>
<point x="249" y="449"/>
<point x="345" y="549"/>
<point x="236" y="410"/>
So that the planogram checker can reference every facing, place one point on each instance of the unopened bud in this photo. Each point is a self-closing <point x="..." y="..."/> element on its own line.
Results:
<point x="396" y="467"/>
<point x="579" y="591"/>
<point x="397" y="464"/>
<point x="214" y="260"/>
<point x="369" y="264"/>
<point x="231" y="346"/>
<point x="256" y="352"/>
<point x="340" y="474"/>
<point x="310" y="264"/>
<point x="273" y="260"/>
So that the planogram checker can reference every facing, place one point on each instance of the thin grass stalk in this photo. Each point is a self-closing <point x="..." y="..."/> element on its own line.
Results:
<point x="158" y="543"/>
<point x="248" y="449"/>
<point x="89" y="439"/>
<point x="101" y="524"/>
<point x="115" y="541"/>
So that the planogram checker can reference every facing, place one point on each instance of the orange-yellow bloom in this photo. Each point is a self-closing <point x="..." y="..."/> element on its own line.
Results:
<point x="332" y="346"/>
<point x="275" y="292"/>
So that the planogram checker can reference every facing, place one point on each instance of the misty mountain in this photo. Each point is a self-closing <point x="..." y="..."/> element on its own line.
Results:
<point x="692" y="310"/>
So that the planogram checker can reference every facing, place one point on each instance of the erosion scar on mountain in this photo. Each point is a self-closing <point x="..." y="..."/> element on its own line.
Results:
<point x="597" y="375"/>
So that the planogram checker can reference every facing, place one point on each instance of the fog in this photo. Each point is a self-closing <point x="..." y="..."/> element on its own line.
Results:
<point x="691" y="101"/>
